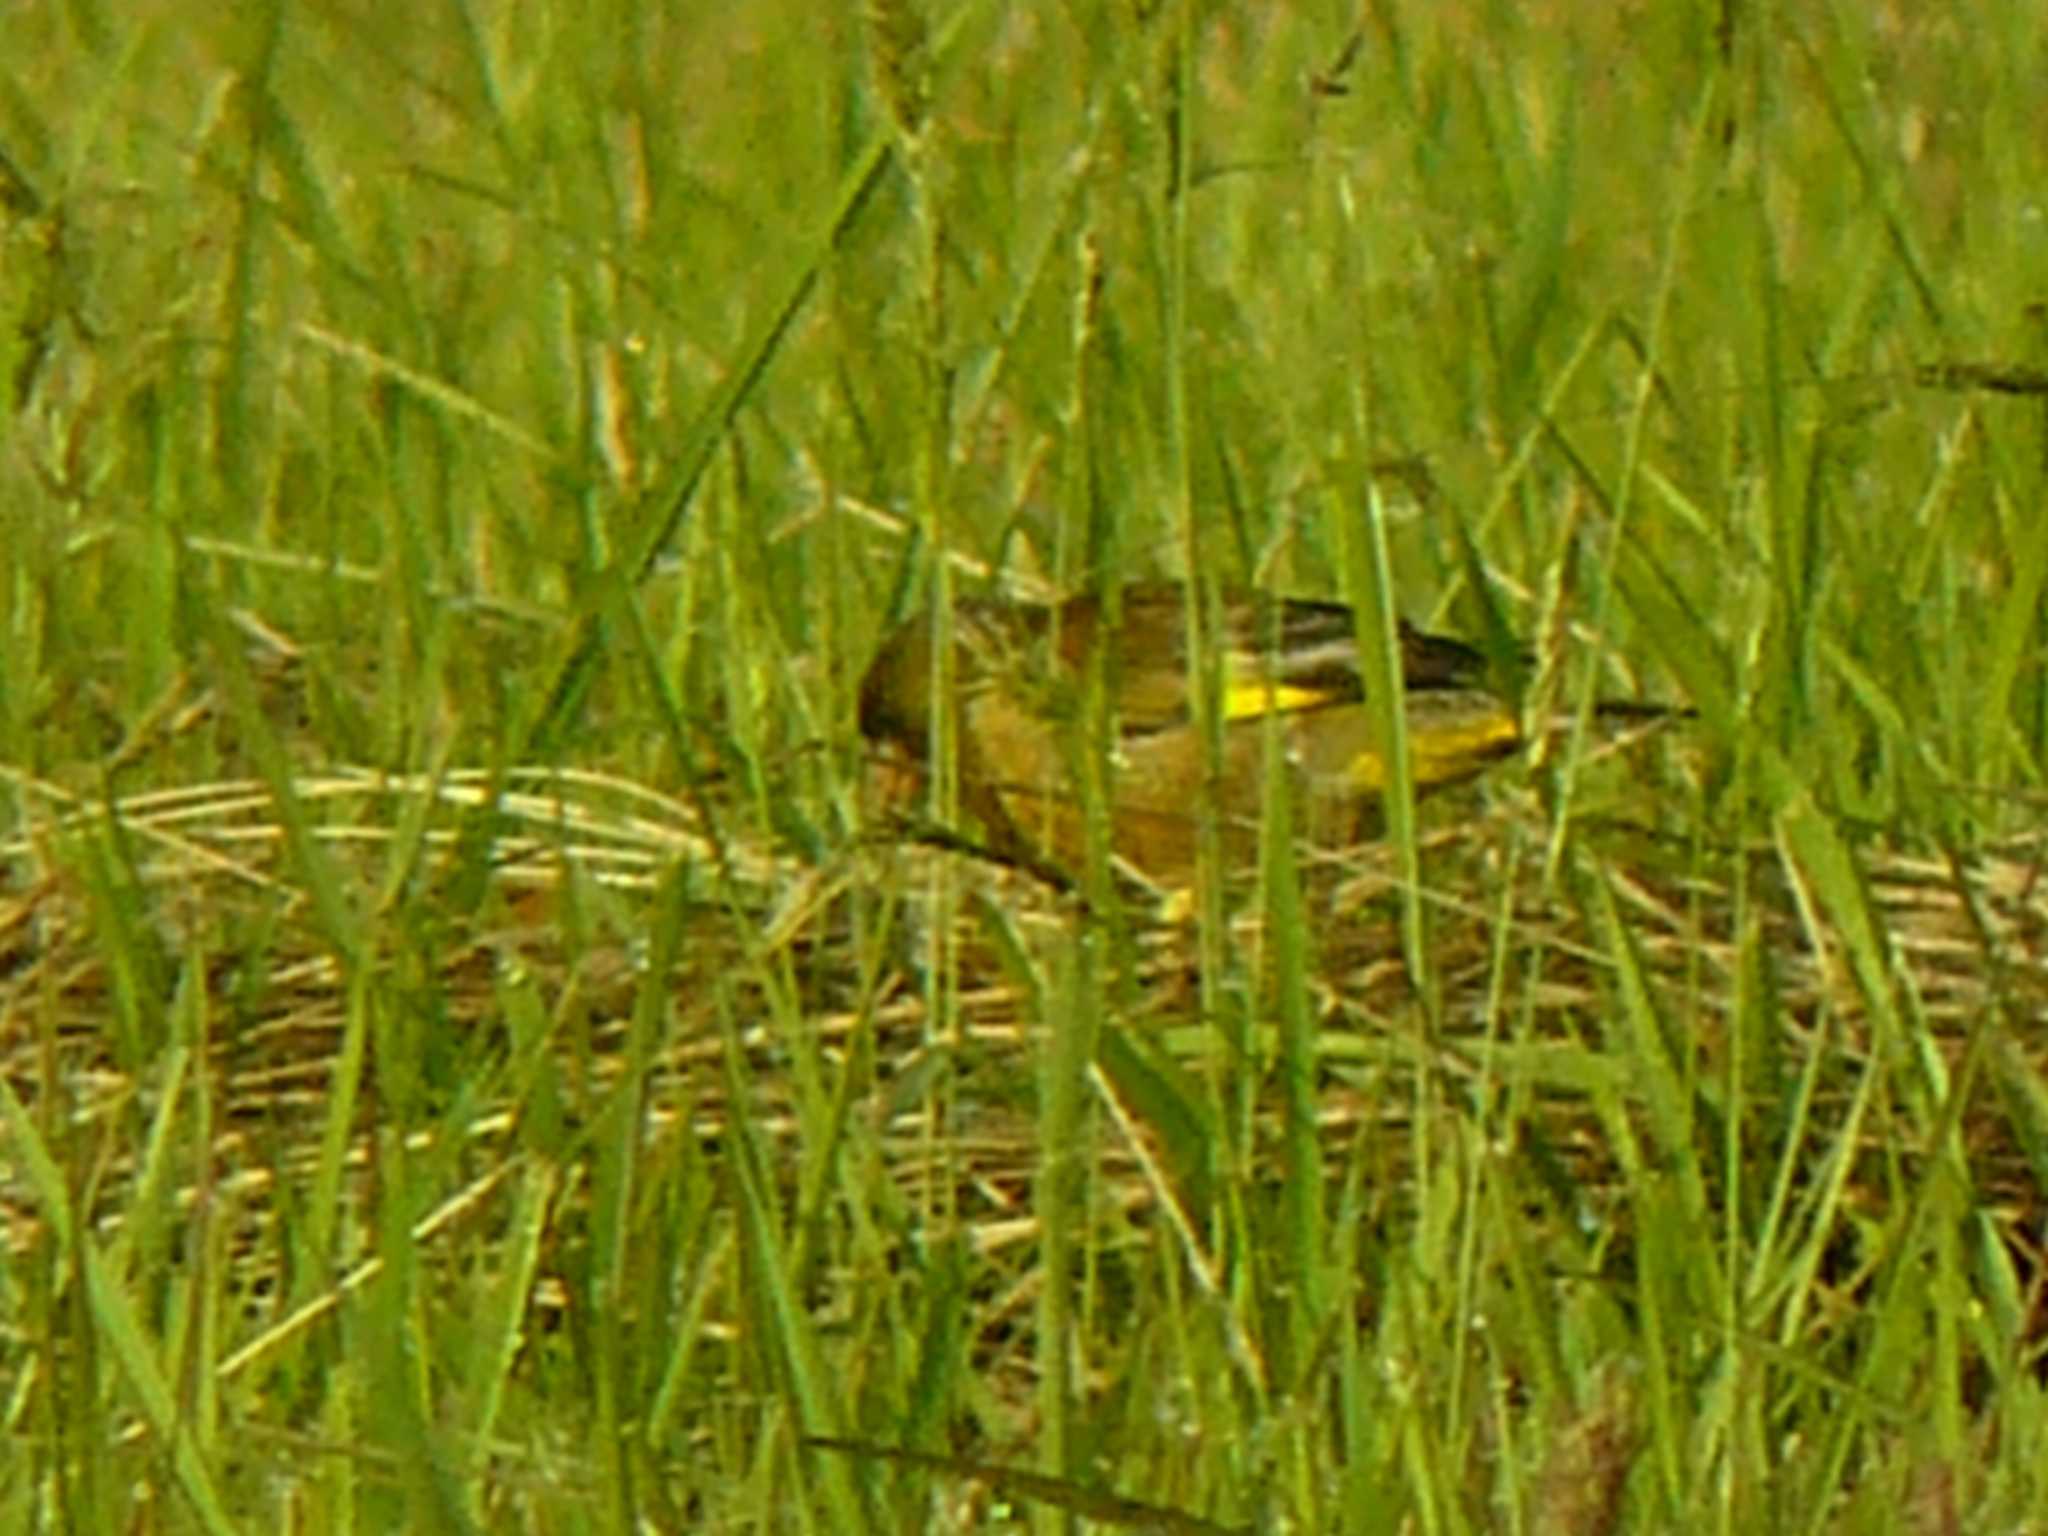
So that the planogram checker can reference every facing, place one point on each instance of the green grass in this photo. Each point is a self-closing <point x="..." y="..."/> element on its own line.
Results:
<point x="473" y="1058"/>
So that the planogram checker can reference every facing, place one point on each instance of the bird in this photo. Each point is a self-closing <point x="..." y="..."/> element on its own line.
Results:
<point x="1017" y="700"/>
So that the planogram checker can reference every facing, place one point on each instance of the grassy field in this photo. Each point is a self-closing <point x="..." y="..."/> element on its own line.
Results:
<point x="474" y="1054"/>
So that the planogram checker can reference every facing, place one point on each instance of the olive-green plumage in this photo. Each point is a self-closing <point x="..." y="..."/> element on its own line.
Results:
<point x="1019" y="673"/>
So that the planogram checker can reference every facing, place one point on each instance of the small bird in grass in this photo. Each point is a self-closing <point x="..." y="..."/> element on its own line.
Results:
<point x="1019" y="674"/>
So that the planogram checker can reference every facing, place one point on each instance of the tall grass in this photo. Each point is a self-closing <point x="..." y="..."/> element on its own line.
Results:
<point x="473" y="1056"/>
